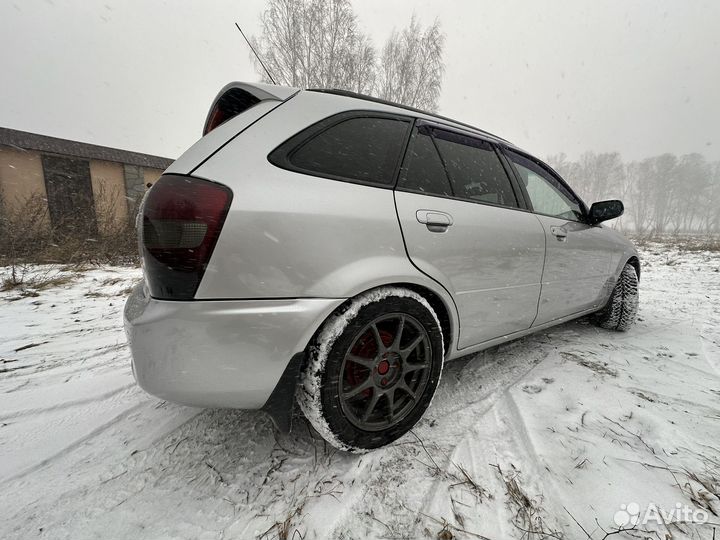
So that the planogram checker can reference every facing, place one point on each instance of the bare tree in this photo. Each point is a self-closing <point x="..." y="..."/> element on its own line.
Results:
<point x="663" y="194"/>
<point x="639" y="203"/>
<point x="412" y="67"/>
<point x="596" y="177"/>
<point x="315" y="44"/>
<point x="318" y="44"/>
<point x="601" y="176"/>
<point x="710" y="211"/>
<point x="663" y="170"/>
<point x="694" y="184"/>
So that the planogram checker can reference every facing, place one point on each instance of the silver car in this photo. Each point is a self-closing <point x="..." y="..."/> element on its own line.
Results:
<point x="334" y="249"/>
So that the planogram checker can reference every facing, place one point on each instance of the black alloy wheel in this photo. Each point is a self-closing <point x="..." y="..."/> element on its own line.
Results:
<point x="384" y="371"/>
<point x="373" y="369"/>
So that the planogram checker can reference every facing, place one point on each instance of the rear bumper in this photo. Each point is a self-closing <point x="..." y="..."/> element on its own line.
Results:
<point x="217" y="353"/>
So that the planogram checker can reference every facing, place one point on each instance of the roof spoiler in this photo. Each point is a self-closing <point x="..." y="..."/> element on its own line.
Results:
<point x="237" y="97"/>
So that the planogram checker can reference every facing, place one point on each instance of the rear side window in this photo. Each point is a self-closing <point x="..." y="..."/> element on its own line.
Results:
<point x="423" y="170"/>
<point x="474" y="169"/>
<point x="360" y="148"/>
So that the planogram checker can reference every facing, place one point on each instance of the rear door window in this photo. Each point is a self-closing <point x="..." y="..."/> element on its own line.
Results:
<point x="474" y="169"/>
<point x="423" y="170"/>
<point x="362" y="148"/>
<point x="450" y="164"/>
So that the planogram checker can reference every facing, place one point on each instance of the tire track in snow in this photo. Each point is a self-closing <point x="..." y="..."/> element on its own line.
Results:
<point x="712" y="357"/>
<point x="138" y="479"/>
<point x="497" y="435"/>
<point x="469" y="389"/>
<point x="67" y="448"/>
<point x="81" y="476"/>
<point x="61" y="405"/>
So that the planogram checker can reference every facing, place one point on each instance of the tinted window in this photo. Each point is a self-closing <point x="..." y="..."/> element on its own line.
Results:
<point x="359" y="148"/>
<point x="423" y="170"/>
<point x="474" y="169"/>
<point x="547" y="194"/>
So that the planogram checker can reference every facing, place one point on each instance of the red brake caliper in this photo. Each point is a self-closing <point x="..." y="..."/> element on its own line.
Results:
<point x="365" y="347"/>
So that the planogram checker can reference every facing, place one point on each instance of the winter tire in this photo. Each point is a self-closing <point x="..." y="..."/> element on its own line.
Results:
<point x="373" y="369"/>
<point x="620" y="311"/>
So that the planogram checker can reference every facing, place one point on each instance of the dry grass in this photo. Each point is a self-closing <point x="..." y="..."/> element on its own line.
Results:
<point x="681" y="242"/>
<point x="704" y="491"/>
<point x="601" y="368"/>
<point x="702" y="487"/>
<point x="28" y="237"/>
<point x="528" y="513"/>
<point x="25" y="230"/>
<point x="282" y="530"/>
<point x="28" y="278"/>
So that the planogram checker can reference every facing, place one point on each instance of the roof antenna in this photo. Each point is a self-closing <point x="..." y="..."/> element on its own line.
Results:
<point x="256" y="54"/>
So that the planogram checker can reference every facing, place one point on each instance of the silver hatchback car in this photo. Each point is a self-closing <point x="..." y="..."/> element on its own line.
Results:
<point x="334" y="249"/>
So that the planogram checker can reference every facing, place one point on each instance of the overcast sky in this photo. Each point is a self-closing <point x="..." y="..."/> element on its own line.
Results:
<point x="639" y="77"/>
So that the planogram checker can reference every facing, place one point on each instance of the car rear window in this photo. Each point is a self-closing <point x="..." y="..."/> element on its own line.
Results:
<point x="362" y="148"/>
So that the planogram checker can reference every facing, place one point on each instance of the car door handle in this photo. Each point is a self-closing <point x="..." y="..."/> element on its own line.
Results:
<point x="434" y="220"/>
<point x="559" y="232"/>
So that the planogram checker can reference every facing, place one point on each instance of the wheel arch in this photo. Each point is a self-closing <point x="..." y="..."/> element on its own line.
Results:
<point x="441" y="310"/>
<point x="635" y="262"/>
<point x="442" y="304"/>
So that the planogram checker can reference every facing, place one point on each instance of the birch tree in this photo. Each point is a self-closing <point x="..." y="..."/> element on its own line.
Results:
<point x="319" y="44"/>
<point x="315" y="44"/>
<point x="411" y="67"/>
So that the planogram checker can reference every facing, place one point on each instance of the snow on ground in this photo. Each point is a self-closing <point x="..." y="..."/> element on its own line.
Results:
<point x="544" y="437"/>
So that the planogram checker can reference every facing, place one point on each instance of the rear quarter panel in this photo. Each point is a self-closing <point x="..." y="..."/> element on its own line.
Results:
<point x="291" y="235"/>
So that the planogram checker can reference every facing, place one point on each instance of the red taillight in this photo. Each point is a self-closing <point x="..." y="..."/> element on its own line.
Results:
<point x="181" y="222"/>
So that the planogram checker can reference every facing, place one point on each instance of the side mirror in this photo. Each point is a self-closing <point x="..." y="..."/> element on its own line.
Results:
<point x="604" y="210"/>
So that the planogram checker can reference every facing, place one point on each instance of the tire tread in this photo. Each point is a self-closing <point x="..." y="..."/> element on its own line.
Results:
<point x="621" y="310"/>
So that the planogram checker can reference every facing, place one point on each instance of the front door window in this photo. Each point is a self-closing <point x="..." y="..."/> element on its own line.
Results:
<point x="547" y="194"/>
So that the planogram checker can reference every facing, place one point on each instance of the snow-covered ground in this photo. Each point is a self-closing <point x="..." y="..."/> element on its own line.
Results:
<point x="544" y="437"/>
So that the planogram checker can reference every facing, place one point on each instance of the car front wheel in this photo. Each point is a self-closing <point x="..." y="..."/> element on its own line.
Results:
<point x="373" y="369"/>
<point x="621" y="310"/>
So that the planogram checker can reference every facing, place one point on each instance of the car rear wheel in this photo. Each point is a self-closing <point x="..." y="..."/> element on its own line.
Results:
<point x="373" y="369"/>
<point x="621" y="310"/>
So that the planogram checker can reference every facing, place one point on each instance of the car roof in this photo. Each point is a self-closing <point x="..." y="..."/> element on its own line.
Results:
<point x="280" y="92"/>
<point x="427" y="115"/>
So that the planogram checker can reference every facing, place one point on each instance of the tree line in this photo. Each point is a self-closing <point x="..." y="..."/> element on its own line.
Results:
<point x="665" y="194"/>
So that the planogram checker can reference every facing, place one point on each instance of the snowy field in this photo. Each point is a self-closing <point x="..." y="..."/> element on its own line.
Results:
<point x="559" y="434"/>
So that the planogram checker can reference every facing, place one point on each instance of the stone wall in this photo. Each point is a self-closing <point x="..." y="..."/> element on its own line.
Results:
<point x="134" y="188"/>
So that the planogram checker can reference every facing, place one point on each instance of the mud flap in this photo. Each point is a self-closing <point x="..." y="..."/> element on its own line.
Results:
<point x="281" y="403"/>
